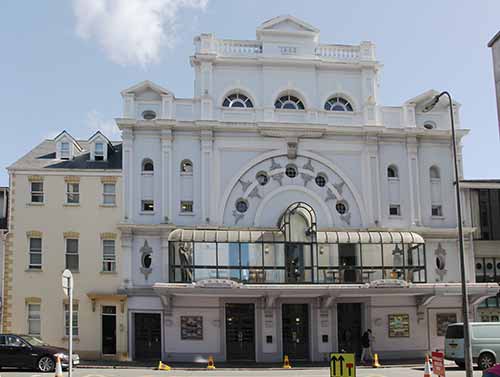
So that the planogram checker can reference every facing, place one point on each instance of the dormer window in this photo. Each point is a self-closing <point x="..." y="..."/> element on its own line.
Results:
<point x="64" y="150"/>
<point x="99" y="151"/>
<point x="148" y="115"/>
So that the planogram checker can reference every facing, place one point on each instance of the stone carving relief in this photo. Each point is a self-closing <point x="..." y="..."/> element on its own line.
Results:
<point x="441" y="270"/>
<point x="146" y="259"/>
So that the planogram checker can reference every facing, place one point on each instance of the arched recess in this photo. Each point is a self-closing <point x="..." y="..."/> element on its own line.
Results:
<point x="358" y="199"/>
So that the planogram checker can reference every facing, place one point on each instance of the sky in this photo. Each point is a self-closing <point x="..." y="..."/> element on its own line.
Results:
<point x="63" y="63"/>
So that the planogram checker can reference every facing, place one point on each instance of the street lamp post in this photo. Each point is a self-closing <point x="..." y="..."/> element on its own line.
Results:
<point x="465" y="300"/>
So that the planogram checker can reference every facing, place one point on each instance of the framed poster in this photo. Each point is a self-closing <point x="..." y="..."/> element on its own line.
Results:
<point x="191" y="328"/>
<point x="442" y="321"/>
<point x="399" y="326"/>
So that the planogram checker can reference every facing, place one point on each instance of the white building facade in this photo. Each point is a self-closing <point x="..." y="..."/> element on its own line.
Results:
<point x="283" y="210"/>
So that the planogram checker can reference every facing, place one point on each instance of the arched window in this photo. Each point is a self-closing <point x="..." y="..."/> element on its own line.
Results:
<point x="186" y="167"/>
<point x="338" y="104"/>
<point x="237" y="100"/>
<point x="289" y="102"/>
<point x="147" y="165"/>
<point x="392" y="171"/>
<point x="434" y="172"/>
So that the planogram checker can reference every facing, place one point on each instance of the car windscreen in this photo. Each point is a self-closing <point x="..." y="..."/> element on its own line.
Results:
<point x="455" y="332"/>
<point x="34" y="341"/>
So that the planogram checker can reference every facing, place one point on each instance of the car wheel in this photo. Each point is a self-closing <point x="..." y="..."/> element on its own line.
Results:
<point x="460" y="364"/>
<point x="486" y="360"/>
<point x="45" y="364"/>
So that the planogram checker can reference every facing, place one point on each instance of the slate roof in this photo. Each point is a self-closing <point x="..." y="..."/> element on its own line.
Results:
<point x="43" y="156"/>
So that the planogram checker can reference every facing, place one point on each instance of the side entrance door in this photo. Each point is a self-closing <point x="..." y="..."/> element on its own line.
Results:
<point x="349" y="327"/>
<point x="240" y="332"/>
<point x="147" y="336"/>
<point x="109" y="330"/>
<point x="295" y="328"/>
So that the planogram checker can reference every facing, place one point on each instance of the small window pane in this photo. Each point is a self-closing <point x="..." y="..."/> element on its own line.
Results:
<point x="148" y="206"/>
<point x="186" y="206"/>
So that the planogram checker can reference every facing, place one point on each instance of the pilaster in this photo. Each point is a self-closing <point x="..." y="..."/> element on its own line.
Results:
<point x="126" y="238"/>
<point x="206" y="170"/>
<point x="371" y="188"/>
<point x="413" y="180"/>
<point x="166" y="175"/>
<point x="128" y="171"/>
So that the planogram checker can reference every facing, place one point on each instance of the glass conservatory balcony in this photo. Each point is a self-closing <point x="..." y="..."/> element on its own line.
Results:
<point x="272" y="260"/>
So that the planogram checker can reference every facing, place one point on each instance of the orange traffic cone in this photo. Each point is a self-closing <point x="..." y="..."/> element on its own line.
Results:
<point x="376" y="363"/>
<point x="211" y="364"/>
<point x="427" y="367"/>
<point x="286" y="363"/>
<point x="59" y="372"/>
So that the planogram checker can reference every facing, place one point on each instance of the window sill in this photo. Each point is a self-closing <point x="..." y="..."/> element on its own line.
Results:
<point x="437" y="217"/>
<point x="75" y="338"/>
<point x="72" y="271"/>
<point x="186" y="174"/>
<point x="186" y="213"/>
<point x="30" y="204"/>
<point x="147" y="212"/>
<point x="71" y="205"/>
<point x="33" y="270"/>
<point x="107" y="205"/>
<point x="108" y="273"/>
<point x="395" y="217"/>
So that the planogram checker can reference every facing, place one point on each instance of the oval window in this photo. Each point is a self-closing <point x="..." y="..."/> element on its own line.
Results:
<point x="341" y="207"/>
<point x="262" y="178"/>
<point x="146" y="260"/>
<point x="428" y="126"/>
<point x="241" y="205"/>
<point x="440" y="263"/>
<point x="148" y="115"/>
<point x="291" y="171"/>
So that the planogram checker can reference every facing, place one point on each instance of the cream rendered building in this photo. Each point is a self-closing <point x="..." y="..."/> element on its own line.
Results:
<point x="63" y="214"/>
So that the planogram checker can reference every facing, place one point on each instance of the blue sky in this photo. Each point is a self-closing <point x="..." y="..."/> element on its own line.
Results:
<point x="63" y="63"/>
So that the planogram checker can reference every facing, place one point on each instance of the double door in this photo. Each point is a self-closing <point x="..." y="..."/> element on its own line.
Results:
<point x="240" y="332"/>
<point x="295" y="328"/>
<point x="147" y="336"/>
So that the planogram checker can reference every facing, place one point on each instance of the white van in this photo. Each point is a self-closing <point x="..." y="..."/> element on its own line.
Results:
<point x="485" y="341"/>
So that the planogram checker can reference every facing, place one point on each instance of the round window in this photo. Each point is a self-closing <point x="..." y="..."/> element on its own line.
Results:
<point x="341" y="207"/>
<point x="291" y="171"/>
<point x="148" y="115"/>
<point x="498" y="266"/>
<point x="479" y="266"/>
<point x="489" y="265"/>
<point x="320" y="180"/>
<point x="262" y="178"/>
<point x="428" y="126"/>
<point x="146" y="260"/>
<point x="241" y="205"/>
<point x="440" y="263"/>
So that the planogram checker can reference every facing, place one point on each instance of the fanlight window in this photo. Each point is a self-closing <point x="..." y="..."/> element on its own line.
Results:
<point x="338" y="104"/>
<point x="147" y="165"/>
<point x="186" y="167"/>
<point x="237" y="100"/>
<point x="392" y="172"/>
<point x="289" y="102"/>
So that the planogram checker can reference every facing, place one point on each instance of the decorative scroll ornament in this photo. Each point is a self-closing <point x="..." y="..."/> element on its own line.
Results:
<point x="237" y="216"/>
<point x="146" y="252"/>
<point x="346" y="218"/>
<point x="306" y="177"/>
<point x="245" y="185"/>
<point x="279" y="178"/>
<point x="308" y="165"/>
<point x="274" y="165"/>
<point x="330" y="195"/>
<point x="339" y="186"/>
<point x="255" y="193"/>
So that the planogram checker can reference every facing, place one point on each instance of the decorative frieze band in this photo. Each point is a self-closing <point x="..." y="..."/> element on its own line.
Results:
<point x="108" y="236"/>
<point x="109" y="179"/>
<point x="35" y="178"/>
<point x="71" y="235"/>
<point x="72" y="179"/>
<point x="34" y="234"/>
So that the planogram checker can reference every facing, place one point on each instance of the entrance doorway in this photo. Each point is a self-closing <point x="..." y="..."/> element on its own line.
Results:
<point x="349" y="327"/>
<point x="240" y="332"/>
<point x="109" y="330"/>
<point x="295" y="329"/>
<point x="147" y="336"/>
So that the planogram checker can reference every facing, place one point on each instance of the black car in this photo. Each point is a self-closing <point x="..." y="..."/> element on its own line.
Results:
<point x="26" y="351"/>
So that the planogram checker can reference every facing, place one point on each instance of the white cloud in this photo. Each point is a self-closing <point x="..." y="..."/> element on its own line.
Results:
<point x="95" y="122"/>
<point x="131" y="31"/>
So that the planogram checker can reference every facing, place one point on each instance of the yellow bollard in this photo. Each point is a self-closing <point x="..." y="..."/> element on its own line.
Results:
<point x="162" y="366"/>
<point x="286" y="363"/>
<point x="211" y="364"/>
<point x="376" y="363"/>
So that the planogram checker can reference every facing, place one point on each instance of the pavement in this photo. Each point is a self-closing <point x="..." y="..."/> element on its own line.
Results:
<point x="308" y="372"/>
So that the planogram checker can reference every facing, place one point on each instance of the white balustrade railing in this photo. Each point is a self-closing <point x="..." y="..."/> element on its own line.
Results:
<point x="233" y="47"/>
<point x="338" y="52"/>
